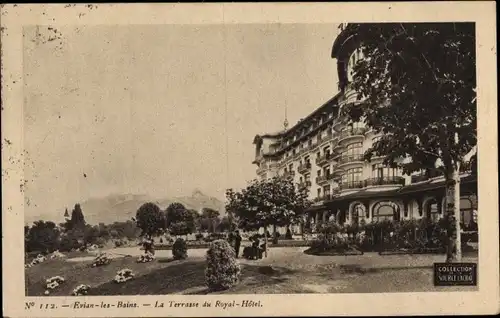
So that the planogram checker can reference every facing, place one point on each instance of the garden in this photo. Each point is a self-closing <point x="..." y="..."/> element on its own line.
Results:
<point x="388" y="237"/>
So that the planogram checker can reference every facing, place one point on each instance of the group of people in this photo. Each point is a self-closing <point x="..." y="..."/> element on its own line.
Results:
<point x="254" y="251"/>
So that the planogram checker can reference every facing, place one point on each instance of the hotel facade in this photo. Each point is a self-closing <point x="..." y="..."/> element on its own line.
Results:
<point x="324" y="155"/>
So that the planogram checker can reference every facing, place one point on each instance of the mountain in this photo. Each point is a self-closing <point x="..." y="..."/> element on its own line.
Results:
<point x="122" y="207"/>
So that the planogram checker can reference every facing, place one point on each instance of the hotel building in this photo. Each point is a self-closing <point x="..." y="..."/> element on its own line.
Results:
<point x="325" y="155"/>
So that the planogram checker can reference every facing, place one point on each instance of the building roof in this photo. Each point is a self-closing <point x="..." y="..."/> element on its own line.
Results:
<point x="345" y="36"/>
<point x="329" y="103"/>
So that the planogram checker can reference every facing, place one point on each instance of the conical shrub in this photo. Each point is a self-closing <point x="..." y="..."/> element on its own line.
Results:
<point x="179" y="249"/>
<point x="223" y="271"/>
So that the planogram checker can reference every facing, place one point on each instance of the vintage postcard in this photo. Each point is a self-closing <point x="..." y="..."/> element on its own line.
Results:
<point x="277" y="159"/>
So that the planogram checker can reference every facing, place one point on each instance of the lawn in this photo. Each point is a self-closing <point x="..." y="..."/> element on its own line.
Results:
<point x="286" y="270"/>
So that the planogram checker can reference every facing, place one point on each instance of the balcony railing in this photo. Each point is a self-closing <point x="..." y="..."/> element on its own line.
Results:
<point x="352" y="132"/>
<point x="373" y="182"/>
<point x="338" y="148"/>
<point x="323" y="159"/>
<point x="350" y="158"/>
<point x="304" y="167"/>
<point x="426" y="176"/>
<point x="323" y="197"/>
<point x="304" y="184"/>
<point x="261" y="169"/>
<point x="352" y="185"/>
<point x="385" y="181"/>
<point x="324" y="178"/>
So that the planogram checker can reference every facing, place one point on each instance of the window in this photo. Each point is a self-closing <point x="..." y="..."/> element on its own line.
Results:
<point x="354" y="149"/>
<point x="466" y="211"/>
<point x="327" y="171"/>
<point x="301" y="180"/>
<point x="326" y="190"/>
<point x="353" y="175"/>
<point x="319" y="173"/>
<point x="318" y="154"/>
<point x="380" y="171"/>
<point x="290" y="167"/>
<point x="307" y="160"/>
<point x="326" y="150"/>
<point x="310" y="142"/>
<point x="385" y="210"/>
<point x="319" y="192"/>
<point x="358" y="213"/>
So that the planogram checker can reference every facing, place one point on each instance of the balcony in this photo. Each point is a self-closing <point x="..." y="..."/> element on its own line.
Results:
<point x="426" y="176"/>
<point x="321" y="180"/>
<point x="338" y="148"/>
<point x="323" y="159"/>
<point x="322" y="198"/>
<point x="337" y="170"/>
<point x="304" y="184"/>
<point x="261" y="169"/>
<point x="352" y="185"/>
<point x="348" y="159"/>
<point x="354" y="133"/>
<point x="335" y="192"/>
<point x="385" y="181"/>
<point x="325" y="138"/>
<point x="304" y="168"/>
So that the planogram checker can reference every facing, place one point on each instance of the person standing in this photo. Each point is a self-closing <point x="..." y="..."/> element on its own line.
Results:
<point x="237" y="243"/>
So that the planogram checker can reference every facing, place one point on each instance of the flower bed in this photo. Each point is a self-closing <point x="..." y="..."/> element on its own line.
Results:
<point x="124" y="275"/>
<point x="39" y="259"/>
<point x="101" y="260"/>
<point x="81" y="290"/>
<point x="333" y="244"/>
<point x="148" y="257"/>
<point x="57" y="254"/>
<point x="52" y="283"/>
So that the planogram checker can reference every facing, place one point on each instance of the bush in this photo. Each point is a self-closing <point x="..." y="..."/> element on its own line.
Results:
<point x="288" y="235"/>
<point x="222" y="272"/>
<point x="69" y="243"/>
<point x="198" y="236"/>
<point x="179" y="249"/>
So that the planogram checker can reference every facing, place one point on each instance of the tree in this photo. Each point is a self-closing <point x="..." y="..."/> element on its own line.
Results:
<point x="213" y="217"/>
<point x="263" y="203"/>
<point x="180" y="221"/>
<point x="149" y="219"/>
<point x="225" y="225"/>
<point x="43" y="236"/>
<point x="77" y="219"/>
<point x="416" y="84"/>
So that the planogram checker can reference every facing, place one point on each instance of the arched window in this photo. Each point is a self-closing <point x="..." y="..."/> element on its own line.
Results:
<point x="385" y="210"/>
<point x="358" y="213"/>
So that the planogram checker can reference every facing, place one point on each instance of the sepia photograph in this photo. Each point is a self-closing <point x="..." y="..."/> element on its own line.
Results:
<point x="213" y="159"/>
<point x="146" y="159"/>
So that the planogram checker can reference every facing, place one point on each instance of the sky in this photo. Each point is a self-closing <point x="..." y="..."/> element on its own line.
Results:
<point x="162" y="109"/>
